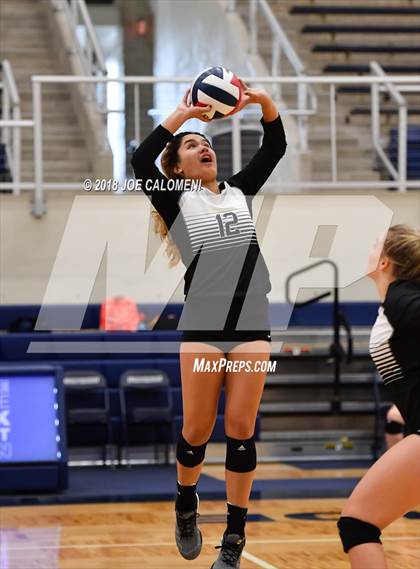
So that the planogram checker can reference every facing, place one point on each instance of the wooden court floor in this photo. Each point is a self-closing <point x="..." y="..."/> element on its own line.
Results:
<point x="296" y="534"/>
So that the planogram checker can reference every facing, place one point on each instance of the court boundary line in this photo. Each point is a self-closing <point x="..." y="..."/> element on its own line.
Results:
<point x="212" y="542"/>
<point x="260" y="562"/>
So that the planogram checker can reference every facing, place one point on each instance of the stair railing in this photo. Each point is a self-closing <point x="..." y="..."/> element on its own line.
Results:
<point x="339" y="320"/>
<point x="281" y="46"/>
<point x="399" y="175"/>
<point x="10" y="123"/>
<point x="86" y="48"/>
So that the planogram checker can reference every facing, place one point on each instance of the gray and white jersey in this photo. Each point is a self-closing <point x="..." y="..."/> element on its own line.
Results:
<point x="215" y="233"/>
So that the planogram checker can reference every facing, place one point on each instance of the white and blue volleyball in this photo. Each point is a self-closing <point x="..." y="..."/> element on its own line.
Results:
<point x="218" y="87"/>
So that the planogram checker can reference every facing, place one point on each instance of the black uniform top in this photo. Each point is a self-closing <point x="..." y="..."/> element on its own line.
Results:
<point x="215" y="233"/>
<point x="395" y="348"/>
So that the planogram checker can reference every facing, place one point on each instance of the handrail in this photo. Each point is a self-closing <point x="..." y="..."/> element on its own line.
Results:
<point x="146" y="79"/>
<point x="10" y="82"/>
<point x="38" y="185"/>
<point x="304" y="270"/>
<point x="401" y="173"/>
<point x="338" y="320"/>
<point x="377" y="69"/>
<point x="278" y="31"/>
<point x="10" y="98"/>
<point x="94" y="51"/>
<point x="282" y="45"/>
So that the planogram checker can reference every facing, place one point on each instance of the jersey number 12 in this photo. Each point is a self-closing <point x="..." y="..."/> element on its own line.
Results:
<point x="226" y="225"/>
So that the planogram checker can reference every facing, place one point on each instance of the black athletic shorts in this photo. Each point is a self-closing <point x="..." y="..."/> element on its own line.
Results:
<point x="406" y="397"/>
<point x="226" y="340"/>
<point x="246" y="321"/>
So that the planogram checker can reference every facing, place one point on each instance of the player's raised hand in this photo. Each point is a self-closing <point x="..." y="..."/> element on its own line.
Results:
<point x="191" y="111"/>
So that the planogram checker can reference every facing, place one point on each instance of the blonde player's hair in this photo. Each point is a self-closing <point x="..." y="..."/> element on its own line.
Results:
<point x="402" y="247"/>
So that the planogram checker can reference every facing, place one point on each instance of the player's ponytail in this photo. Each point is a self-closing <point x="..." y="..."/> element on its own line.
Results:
<point x="160" y="228"/>
<point x="402" y="246"/>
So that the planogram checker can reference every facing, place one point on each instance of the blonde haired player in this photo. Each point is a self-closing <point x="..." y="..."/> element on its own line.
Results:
<point x="391" y="487"/>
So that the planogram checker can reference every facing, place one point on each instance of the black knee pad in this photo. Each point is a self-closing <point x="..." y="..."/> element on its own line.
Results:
<point x="188" y="455"/>
<point x="241" y="455"/>
<point x="394" y="428"/>
<point x="355" y="532"/>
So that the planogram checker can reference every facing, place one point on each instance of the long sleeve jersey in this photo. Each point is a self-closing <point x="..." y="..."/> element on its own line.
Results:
<point x="395" y="337"/>
<point x="214" y="233"/>
<point x="395" y="348"/>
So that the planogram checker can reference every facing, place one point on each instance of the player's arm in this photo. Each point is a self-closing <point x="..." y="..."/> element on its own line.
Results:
<point x="144" y="158"/>
<point x="251" y="178"/>
<point x="184" y="112"/>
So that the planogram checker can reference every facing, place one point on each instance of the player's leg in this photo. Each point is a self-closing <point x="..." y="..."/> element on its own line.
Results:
<point x="243" y="390"/>
<point x="389" y="489"/>
<point x="200" y="396"/>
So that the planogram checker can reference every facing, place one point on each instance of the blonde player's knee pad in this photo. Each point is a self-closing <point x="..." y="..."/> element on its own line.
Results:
<point x="355" y="532"/>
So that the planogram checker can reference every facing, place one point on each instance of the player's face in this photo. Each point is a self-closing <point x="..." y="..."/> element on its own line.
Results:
<point x="375" y="256"/>
<point x="197" y="159"/>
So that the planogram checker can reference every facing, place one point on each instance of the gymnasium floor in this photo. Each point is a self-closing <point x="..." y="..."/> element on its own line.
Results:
<point x="282" y="534"/>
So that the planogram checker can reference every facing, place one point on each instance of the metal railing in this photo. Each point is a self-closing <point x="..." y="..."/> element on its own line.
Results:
<point x="89" y="51"/>
<point x="281" y="46"/>
<point x="94" y="59"/>
<point x="338" y="320"/>
<point x="38" y="185"/>
<point x="401" y="174"/>
<point x="11" y="124"/>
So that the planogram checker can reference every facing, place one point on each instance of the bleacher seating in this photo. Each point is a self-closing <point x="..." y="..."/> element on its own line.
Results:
<point x="334" y="29"/>
<point x="346" y="36"/>
<point x="366" y="48"/>
<point x="413" y="151"/>
<point x="323" y="10"/>
<point x="365" y="110"/>
<point x="354" y="68"/>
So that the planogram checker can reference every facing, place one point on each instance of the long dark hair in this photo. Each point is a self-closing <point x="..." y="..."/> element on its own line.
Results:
<point x="169" y="160"/>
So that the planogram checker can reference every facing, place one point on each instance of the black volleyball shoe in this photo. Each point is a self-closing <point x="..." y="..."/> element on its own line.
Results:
<point x="230" y="552"/>
<point x="187" y="534"/>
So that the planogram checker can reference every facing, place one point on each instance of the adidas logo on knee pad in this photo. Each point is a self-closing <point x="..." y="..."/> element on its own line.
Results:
<point x="241" y="455"/>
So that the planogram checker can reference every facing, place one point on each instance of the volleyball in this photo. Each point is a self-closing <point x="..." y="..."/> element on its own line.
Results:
<point x="218" y="87"/>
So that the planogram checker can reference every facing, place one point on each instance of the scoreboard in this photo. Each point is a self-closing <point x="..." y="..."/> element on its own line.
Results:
<point x="33" y="453"/>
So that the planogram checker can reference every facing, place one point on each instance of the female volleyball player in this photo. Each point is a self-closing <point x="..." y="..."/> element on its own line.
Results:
<point x="391" y="487"/>
<point x="225" y="315"/>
